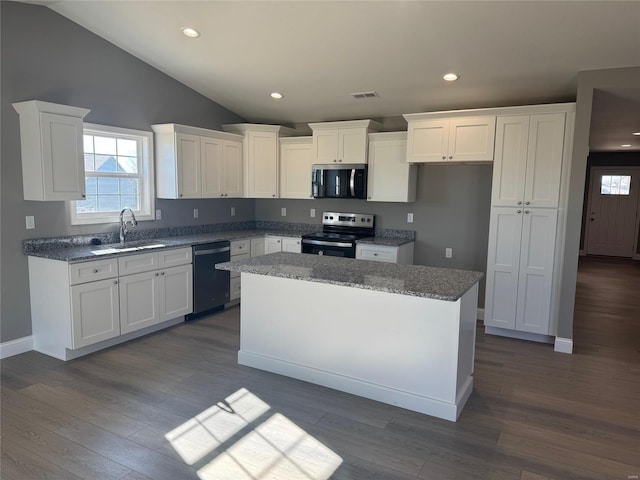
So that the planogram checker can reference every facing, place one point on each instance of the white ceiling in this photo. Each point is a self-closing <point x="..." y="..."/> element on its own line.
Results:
<point x="318" y="52"/>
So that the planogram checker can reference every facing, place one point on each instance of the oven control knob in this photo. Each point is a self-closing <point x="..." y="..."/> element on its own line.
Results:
<point x="369" y="220"/>
<point x="320" y="252"/>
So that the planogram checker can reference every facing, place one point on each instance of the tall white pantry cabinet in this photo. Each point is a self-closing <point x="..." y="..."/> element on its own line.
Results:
<point x="527" y="225"/>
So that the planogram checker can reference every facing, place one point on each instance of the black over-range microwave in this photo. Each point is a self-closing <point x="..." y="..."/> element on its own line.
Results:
<point x="339" y="180"/>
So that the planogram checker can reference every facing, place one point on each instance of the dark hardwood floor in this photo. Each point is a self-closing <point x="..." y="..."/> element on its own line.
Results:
<point x="534" y="414"/>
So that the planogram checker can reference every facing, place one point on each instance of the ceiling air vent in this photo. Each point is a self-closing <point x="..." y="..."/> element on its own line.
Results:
<point x="365" y="95"/>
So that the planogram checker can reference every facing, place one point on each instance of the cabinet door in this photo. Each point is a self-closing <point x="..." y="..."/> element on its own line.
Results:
<point x="139" y="301"/>
<point x="295" y="170"/>
<point x="503" y="262"/>
<point x="325" y="146"/>
<point x="94" y="312"/>
<point x="536" y="270"/>
<point x="262" y="165"/>
<point x="377" y="253"/>
<point x="293" y="245"/>
<point x="188" y="151"/>
<point x="510" y="164"/>
<point x="233" y="168"/>
<point x="175" y="292"/>
<point x="212" y="165"/>
<point x="352" y="145"/>
<point x="257" y="246"/>
<point x="427" y="141"/>
<point x="391" y="178"/>
<point x="544" y="160"/>
<point x="471" y="139"/>
<point x="62" y="157"/>
<point x="272" y="245"/>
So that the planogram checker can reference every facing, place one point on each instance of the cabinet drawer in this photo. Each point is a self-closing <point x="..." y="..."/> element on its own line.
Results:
<point x="378" y="254"/>
<point x="235" y="288"/>
<point x="174" y="257"/>
<point x="143" y="262"/>
<point x="238" y="257"/>
<point x="92" y="271"/>
<point x="240" y="246"/>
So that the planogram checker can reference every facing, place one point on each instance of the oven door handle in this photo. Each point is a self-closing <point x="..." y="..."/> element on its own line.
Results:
<point x="327" y="244"/>
<point x="211" y="251"/>
<point x="352" y="182"/>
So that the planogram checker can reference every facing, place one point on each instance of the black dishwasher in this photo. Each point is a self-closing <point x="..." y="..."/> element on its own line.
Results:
<point x="210" y="286"/>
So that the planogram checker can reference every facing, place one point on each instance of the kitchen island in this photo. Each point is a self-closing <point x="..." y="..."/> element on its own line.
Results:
<point x="399" y="334"/>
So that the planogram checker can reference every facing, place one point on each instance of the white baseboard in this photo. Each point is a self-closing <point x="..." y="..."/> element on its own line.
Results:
<point x="480" y="314"/>
<point x="16" y="347"/>
<point x="563" y="345"/>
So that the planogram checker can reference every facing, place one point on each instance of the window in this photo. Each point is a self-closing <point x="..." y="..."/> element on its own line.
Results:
<point x="118" y="167"/>
<point x="615" y="184"/>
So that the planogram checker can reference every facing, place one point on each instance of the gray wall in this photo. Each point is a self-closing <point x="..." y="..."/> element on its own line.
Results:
<point x="452" y="210"/>
<point x="587" y="82"/>
<point x="47" y="57"/>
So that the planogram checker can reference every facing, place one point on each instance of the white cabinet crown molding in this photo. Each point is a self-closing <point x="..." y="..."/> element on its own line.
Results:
<point x="38" y="106"/>
<point x="243" y="128"/>
<point x="189" y="130"/>
<point x="370" y="124"/>
<point x="517" y="110"/>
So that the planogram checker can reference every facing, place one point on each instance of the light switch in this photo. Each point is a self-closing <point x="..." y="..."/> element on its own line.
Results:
<point x="312" y="213"/>
<point x="233" y="211"/>
<point x="31" y="222"/>
<point x="195" y="213"/>
<point x="409" y="217"/>
<point x="283" y="211"/>
<point x="158" y="214"/>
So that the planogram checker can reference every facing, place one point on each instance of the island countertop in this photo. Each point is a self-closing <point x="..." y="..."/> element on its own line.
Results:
<point x="413" y="280"/>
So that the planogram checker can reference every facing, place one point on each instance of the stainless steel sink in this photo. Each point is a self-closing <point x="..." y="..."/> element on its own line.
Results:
<point x="127" y="247"/>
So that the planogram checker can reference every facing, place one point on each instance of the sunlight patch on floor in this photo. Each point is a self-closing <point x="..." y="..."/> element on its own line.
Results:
<point x="205" y="432"/>
<point x="274" y="449"/>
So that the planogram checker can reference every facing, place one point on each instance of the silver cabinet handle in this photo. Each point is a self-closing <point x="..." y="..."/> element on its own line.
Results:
<point x="527" y="203"/>
<point x="526" y="211"/>
<point x="95" y="270"/>
<point x="115" y="282"/>
<point x="450" y="157"/>
<point x="156" y="274"/>
<point x="444" y="157"/>
<point x="519" y="202"/>
<point x="162" y="273"/>
<point x="519" y="211"/>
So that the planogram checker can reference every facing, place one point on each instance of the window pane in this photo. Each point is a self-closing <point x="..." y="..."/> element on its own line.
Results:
<point x="127" y="147"/>
<point x="128" y="164"/>
<point x="128" y="185"/>
<point x="109" y="203"/>
<point x="105" y="163"/>
<point x="88" y="144"/>
<point x="105" y="145"/>
<point x="87" y="205"/>
<point x="91" y="185"/>
<point x="615" y="184"/>
<point x="108" y="186"/>
<point x="89" y="163"/>
<point x="129" y="201"/>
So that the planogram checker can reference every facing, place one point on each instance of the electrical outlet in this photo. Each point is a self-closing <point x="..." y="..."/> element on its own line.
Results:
<point x="409" y="217"/>
<point x="30" y="220"/>
<point x="195" y="213"/>
<point x="283" y="211"/>
<point x="158" y="214"/>
<point x="312" y="213"/>
<point x="448" y="252"/>
<point x="233" y="211"/>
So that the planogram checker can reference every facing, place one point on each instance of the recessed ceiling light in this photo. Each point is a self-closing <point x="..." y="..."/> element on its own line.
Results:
<point x="635" y="133"/>
<point x="450" y="77"/>
<point x="625" y="145"/>
<point x="276" y="95"/>
<point x="190" y="32"/>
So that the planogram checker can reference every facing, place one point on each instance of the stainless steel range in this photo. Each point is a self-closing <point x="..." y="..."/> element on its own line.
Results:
<point x="340" y="231"/>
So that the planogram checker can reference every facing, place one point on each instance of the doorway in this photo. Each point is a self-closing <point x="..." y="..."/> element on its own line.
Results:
<point x="612" y="213"/>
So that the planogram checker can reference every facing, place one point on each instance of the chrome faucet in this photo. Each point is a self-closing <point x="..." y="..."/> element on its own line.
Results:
<point x="123" y="224"/>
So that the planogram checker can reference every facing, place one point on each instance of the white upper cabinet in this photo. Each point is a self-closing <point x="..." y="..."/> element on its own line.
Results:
<point x="195" y="162"/>
<point x="52" y="151"/>
<point x="260" y="159"/>
<point x="528" y="165"/>
<point x="390" y="177"/>
<point x="342" y="142"/>
<point x="457" y="139"/>
<point x="295" y="167"/>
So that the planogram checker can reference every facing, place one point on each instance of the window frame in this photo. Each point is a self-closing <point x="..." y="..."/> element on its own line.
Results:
<point x="146" y="176"/>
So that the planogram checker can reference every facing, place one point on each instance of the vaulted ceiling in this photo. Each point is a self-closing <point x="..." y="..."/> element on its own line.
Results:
<point x="316" y="53"/>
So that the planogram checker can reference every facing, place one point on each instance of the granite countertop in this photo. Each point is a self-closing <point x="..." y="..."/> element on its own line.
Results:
<point x="412" y="280"/>
<point x="84" y="253"/>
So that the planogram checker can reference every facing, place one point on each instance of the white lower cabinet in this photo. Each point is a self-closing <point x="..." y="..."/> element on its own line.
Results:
<point x="292" y="244"/>
<point x="520" y="269"/>
<point x="94" y="312"/>
<point x="272" y="244"/>
<point x="78" y="305"/>
<point x="257" y="246"/>
<point x="402" y="254"/>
